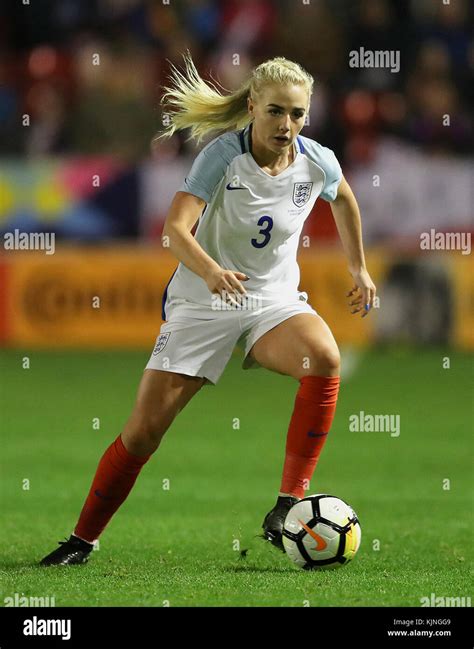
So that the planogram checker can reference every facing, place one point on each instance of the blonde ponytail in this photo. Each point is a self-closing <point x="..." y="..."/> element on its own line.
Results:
<point x="190" y="102"/>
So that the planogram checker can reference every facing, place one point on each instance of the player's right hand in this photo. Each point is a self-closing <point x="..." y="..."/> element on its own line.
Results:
<point x="226" y="283"/>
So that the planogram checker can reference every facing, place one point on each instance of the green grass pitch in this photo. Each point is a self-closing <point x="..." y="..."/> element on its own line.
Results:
<point x="177" y="546"/>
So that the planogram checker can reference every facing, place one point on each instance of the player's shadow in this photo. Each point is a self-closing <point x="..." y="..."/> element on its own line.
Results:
<point x="14" y="565"/>
<point x="249" y="569"/>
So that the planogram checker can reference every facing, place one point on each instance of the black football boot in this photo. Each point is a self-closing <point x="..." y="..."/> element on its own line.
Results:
<point x="73" y="551"/>
<point x="274" y="520"/>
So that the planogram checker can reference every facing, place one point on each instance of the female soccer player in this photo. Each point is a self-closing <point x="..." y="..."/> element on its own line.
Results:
<point x="237" y="281"/>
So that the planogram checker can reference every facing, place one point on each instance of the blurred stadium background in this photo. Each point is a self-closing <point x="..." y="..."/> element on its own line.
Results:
<point x="84" y="168"/>
<point x="76" y="160"/>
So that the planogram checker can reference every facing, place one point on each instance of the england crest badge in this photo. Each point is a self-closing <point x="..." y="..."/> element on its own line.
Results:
<point x="161" y="342"/>
<point x="301" y="193"/>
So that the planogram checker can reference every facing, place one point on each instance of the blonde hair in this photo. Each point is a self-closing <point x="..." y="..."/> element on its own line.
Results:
<point x="190" y="102"/>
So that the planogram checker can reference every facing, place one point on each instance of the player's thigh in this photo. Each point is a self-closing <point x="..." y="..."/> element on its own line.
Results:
<point x="161" y="395"/>
<point x="302" y="345"/>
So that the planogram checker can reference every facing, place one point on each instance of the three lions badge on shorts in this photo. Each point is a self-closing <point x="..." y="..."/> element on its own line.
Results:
<point x="161" y="343"/>
<point x="301" y="193"/>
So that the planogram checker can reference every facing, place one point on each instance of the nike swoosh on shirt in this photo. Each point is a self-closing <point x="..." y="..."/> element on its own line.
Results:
<point x="229" y="186"/>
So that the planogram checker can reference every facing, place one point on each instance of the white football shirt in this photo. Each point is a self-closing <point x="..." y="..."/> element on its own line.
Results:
<point x="253" y="221"/>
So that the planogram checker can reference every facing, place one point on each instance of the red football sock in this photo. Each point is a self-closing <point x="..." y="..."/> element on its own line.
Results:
<point x="115" y="476"/>
<point x="311" y="420"/>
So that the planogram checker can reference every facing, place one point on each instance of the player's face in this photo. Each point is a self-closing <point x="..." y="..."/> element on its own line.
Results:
<point x="279" y="113"/>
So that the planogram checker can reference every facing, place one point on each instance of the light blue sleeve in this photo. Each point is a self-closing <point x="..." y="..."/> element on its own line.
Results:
<point x="210" y="166"/>
<point x="327" y="161"/>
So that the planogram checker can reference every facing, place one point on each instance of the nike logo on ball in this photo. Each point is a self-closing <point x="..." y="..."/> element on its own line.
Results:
<point x="320" y="542"/>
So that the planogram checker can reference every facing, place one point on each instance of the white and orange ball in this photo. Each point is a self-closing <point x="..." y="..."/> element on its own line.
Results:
<point x="321" y="532"/>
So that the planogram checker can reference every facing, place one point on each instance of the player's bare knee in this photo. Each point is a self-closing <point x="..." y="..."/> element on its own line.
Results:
<point x="146" y="429"/>
<point x="329" y="360"/>
<point x="152" y="427"/>
<point x="322" y="361"/>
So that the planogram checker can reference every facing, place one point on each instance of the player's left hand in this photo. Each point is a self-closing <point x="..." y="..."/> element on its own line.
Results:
<point x="362" y="293"/>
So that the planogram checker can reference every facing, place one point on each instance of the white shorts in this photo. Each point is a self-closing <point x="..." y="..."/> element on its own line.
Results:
<point x="198" y="341"/>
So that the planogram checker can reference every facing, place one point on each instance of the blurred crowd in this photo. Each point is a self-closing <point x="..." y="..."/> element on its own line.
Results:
<point x="88" y="72"/>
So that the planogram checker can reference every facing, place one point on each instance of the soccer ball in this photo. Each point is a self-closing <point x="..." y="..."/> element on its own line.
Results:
<point x="321" y="531"/>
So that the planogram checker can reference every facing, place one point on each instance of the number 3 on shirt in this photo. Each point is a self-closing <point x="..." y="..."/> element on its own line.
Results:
<point x="268" y="221"/>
